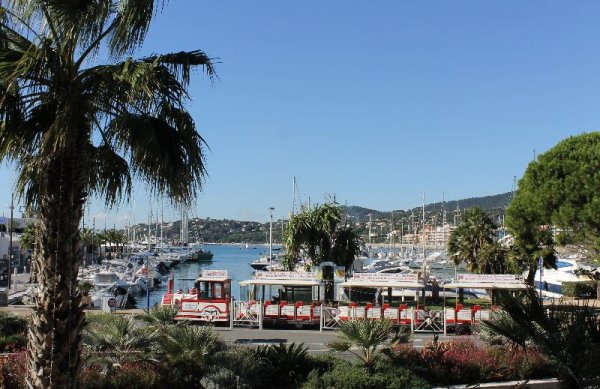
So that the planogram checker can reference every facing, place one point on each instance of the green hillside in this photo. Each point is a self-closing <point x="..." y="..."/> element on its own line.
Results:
<point x="231" y="231"/>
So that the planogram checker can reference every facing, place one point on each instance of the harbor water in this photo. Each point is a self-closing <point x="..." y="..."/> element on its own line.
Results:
<point x="236" y="260"/>
<point x="233" y="258"/>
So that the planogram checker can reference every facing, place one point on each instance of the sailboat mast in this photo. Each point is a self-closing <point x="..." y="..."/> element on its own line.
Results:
<point x="149" y="217"/>
<point x="424" y="262"/>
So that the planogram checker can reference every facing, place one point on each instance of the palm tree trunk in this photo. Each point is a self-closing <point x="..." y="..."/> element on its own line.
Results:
<point x="55" y="333"/>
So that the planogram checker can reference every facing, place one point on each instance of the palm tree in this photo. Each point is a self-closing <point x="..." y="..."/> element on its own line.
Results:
<point x="319" y="233"/>
<point x="74" y="128"/>
<point x="371" y="337"/>
<point x="472" y="237"/>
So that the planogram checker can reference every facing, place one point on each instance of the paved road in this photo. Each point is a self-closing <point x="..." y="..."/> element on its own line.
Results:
<point x="313" y="339"/>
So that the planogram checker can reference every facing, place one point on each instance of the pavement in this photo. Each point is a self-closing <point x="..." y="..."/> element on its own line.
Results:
<point x="315" y="340"/>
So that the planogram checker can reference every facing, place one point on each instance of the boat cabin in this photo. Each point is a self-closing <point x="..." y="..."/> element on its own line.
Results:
<point x="209" y="300"/>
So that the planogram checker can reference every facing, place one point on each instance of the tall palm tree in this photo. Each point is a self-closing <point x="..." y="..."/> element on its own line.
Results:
<point x="471" y="241"/>
<point x="319" y="233"/>
<point x="74" y="128"/>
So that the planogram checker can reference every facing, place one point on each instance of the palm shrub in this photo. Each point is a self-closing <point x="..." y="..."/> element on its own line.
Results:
<point x="371" y="337"/>
<point x="289" y="364"/>
<point x="568" y="334"/>
<point x="161" y="318"/>
<point x="187" y="352"/>
<point x="112" y="341"/>
<point x="237" y="368"/>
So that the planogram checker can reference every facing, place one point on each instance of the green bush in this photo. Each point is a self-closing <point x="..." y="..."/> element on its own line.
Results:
<point x="290" y="364"/>
<point x="11" y="324"/>
<point x="585" y="289"/>
<point x="346" y="375"/>
<point x="13" y="343"/>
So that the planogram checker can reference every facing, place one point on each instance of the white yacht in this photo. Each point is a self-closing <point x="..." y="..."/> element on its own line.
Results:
<point x="552" y="279"/>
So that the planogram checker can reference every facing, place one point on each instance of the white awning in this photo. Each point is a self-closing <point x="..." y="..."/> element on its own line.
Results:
<point x="486" y="285"/>
<point x="212" y="279"/>
<point x="380" y="284"/>
<point x="281" y="282"/>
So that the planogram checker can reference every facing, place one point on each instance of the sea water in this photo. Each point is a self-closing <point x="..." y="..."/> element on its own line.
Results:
<point x="235" y="259"/>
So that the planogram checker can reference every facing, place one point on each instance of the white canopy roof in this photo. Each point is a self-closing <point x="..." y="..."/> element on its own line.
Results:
<point x="485" y="285"/>
<point x="286" y="282"/>
<point x="381" y="284"/>
<point x="213" y="279"/>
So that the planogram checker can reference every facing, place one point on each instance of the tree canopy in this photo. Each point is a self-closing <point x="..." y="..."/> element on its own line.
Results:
<point x="559" y="196"/>
<point x="474" y="242"/>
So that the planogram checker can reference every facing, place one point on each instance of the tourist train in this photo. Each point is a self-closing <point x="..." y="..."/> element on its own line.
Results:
<point x="308" y="299"/>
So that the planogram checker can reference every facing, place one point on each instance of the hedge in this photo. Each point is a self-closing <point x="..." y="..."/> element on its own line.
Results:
<point x="585" y="289"/>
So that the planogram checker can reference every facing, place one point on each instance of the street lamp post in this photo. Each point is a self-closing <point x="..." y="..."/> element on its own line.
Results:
<point x="271" y="209"/>
<point x="10" y="226"/>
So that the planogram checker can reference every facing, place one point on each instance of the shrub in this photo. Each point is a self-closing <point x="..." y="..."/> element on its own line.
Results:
<point x="289" y="363"/>
<point x="11" y="324"/>
<point x="464" y="361"/>
<point x="13" y="369"/>
<point x="129" y="375"/>
<point x="13" y="343"/>
<point x="585" y="289"/>
<point x="348" y="375"/>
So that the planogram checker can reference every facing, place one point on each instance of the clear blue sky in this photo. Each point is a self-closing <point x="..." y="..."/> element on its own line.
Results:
<point x="376" y="102"/>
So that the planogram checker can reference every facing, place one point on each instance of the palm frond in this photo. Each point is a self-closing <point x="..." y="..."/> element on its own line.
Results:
<point x="182" y="62"/>
<point x="132" y="18"/>
<point x="169" y="157"/>
<point x="109" y="175"/>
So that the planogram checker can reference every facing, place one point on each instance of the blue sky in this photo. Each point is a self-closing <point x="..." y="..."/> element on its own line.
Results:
<point x="375" y="102"/>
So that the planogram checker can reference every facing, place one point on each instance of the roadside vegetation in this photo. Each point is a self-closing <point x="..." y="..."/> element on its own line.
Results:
<point x="152" y="351"/>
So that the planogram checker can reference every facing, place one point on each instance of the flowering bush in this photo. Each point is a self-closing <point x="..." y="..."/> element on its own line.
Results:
<point x="463" y="361"/>
<point x="13" y="368"/>
<point x="129" y="375"/>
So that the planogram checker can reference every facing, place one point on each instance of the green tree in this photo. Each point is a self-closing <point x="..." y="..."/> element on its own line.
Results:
<point x="474" y="242"/>
<point x="74" y="127"/>
<point x="318" y="232"/>
<point x="558" y="197"/>
<point x="30" y="241"/>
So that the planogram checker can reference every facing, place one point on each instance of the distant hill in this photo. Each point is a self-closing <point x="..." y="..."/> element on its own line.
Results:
<point x="228" y="231"/>
<point x="493" y="204"/>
